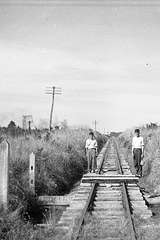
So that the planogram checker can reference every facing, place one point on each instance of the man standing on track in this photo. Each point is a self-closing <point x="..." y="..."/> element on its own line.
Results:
<point x="91" y="152"/>
<point x="138" y="152"/>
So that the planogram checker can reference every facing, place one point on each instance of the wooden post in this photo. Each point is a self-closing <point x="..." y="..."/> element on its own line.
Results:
<point x="95" y="122"/>
<point x="4" y="159"/>
<point x="52" y="91"/>
<point x="32" y="172"/>
<point x="29" y="127"/>
<point x="51" y="114"/>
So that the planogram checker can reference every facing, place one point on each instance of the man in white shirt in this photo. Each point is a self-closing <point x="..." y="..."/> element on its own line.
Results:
<point x="91" y="152"/>
<point x="138" y="152"/>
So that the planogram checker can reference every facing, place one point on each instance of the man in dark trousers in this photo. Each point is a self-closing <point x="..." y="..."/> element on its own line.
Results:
<point x="91" y="152"/>
<point x="138" y="152"/>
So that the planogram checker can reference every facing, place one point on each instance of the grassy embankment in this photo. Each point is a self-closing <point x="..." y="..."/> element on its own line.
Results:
<point x="60" y="162"/>
<point x="151" y="168"/>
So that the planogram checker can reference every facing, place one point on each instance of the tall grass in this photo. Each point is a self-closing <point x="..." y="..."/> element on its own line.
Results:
<point x="94" y="229"/>
<point x="60" y="163"/>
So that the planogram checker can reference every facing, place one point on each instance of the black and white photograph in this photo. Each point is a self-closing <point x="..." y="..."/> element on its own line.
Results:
<point x="79" y="119"/>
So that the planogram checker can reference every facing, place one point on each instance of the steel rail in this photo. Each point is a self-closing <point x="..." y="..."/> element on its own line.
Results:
<point x="126" y="201"/>
<point x="76" y="232"/>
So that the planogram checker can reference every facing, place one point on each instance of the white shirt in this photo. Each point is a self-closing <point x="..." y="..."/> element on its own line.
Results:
<point x="91" y="143"/>
<point x="137" y="142"/>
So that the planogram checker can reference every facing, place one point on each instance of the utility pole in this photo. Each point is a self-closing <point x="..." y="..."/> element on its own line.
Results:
<point x="95" y="125"/>
<point x="52" y="91"/>
<point x="29" y="127"/>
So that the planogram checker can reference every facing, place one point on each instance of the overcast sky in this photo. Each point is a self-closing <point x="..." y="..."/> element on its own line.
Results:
<point x="106" y="59"/>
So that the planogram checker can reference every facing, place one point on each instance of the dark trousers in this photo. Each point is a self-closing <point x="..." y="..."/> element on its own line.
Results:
<point x="137" y="156"/>
<point x="91" y="158"/>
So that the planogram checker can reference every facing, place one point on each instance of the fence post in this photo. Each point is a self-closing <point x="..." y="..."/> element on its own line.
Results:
<point x="4" y="159"/>
<point x="32" y="172"/>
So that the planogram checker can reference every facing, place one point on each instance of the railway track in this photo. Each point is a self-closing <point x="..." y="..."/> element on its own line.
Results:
<point x="111" y="204"/>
